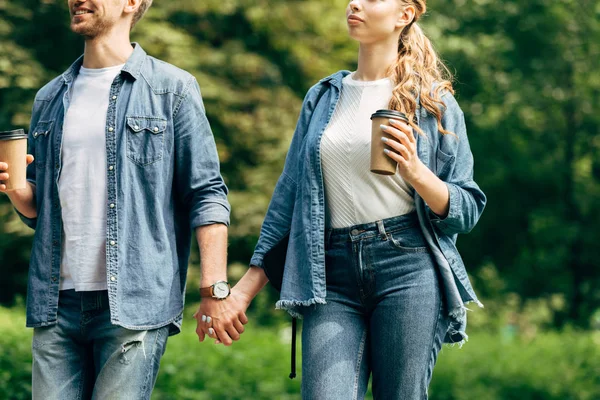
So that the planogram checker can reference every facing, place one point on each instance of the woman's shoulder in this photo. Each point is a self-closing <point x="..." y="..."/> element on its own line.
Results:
<point x="334" y="79"/>
<point x="316" y="91"/>
<point x="447" y="95"/>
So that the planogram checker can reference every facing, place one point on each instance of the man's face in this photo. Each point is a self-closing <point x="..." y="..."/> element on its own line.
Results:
<point x="92" y="18"/>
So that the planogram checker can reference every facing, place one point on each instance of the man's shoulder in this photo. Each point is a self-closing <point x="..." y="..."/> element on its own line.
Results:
<point x="50" y="89"/>
<point x="164" y="77"/>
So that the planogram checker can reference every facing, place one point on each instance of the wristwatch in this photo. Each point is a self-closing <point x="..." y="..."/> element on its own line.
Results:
<point x="219" y="290"/>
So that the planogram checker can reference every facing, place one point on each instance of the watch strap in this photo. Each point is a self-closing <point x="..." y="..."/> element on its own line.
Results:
<point x="206" y="291"/>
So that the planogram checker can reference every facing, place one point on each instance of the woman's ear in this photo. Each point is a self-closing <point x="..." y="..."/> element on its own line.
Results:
<point x="406" y="16"/>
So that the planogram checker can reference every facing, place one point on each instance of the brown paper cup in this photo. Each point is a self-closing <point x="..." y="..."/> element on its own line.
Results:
<point x="13" y="151"/>
<point x="380" y="162"/>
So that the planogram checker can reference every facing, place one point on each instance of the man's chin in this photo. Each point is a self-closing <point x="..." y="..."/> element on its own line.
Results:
<point x="80" y="30"/>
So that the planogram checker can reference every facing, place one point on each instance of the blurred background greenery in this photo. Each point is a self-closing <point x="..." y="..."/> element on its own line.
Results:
<point x="528" y="80"/>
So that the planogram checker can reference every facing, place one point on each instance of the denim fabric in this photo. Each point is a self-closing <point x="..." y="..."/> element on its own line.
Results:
<point x="163" y="181"/>
<point x="85" y="356"/>
<point x="384" y="315"/>
<point x="297" y="207"/>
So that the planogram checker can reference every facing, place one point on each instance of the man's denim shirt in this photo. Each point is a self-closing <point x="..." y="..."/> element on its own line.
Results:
<point x="163" y="181"/>
<point x="298" y="205"/>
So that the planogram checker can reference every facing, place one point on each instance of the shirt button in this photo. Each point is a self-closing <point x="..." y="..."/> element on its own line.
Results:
<point x="112" y="243"/>
<point x="114" y="97"/>
<point x="156" y="129"/>
<point x="111" y="168"/>
<point x="110" y="129"/>
<point x="136" y="127"/>
<point x="112" y="205"/>
<point x="112" y="279"/>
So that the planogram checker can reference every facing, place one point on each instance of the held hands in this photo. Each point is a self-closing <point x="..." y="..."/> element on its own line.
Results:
<point x="403" y="150"/>
<point x="222" y="320"/>
<point x="4" y="175"/>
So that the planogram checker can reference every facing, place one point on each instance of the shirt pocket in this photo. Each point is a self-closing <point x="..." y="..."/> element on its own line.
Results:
<point x="41" y="139"/>
<point x="145" y="139"/>
<point x="445" y="165"/>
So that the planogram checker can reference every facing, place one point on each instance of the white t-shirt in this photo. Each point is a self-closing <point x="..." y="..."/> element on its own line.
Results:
<point x="354" y="195"/>
<point x="82" y="186"/>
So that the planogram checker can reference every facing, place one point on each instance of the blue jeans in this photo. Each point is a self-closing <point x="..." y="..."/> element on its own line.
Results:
<point x="384" y="315"/>
<point x="84" y="356"/>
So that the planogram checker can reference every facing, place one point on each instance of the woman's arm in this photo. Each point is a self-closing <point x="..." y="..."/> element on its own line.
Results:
<point x="457" y="202"/>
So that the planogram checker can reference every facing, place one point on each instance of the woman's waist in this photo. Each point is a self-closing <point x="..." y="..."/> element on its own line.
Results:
<point x="381" y="227"/>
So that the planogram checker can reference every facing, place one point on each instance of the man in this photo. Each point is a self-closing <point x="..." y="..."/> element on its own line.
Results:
<point x="123" y="167"/>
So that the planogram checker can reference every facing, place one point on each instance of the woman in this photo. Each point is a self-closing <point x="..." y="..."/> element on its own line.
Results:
<point x="372" y="264"/>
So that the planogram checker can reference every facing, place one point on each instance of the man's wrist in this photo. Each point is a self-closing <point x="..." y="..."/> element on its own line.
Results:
<point x="206" y="282"/>
<point x="219" y="290"/>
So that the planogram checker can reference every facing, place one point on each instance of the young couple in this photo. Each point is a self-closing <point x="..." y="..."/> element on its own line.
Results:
<point x="123" y="168"/>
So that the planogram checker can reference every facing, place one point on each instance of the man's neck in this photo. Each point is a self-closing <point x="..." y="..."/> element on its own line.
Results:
<point x="106" y="51"/>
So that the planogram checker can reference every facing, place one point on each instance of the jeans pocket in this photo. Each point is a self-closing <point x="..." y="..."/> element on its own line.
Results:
<point x="145" y="139"/>
<point x="409" y="240"/>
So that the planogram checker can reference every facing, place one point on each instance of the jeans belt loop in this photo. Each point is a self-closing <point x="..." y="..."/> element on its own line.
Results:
<point x="381" y="229"/>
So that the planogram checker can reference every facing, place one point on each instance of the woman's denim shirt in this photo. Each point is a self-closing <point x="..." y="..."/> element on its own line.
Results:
<point x="298" y="205"/>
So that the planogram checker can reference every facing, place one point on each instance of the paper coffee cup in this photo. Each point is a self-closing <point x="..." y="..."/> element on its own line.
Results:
<point x="380" y="162"/>
<point x="13" y="151"/>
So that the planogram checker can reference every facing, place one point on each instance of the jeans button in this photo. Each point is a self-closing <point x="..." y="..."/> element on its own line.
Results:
<point x="354" y="232"/>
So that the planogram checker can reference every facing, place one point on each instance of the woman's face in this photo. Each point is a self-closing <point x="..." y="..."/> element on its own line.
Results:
<point x="371" y="21"/>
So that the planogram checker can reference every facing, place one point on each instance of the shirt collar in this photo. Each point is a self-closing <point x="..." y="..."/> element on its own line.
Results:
<point x="132" y="67"/>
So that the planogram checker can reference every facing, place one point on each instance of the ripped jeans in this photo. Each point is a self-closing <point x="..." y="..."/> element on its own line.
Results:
<point x="84" y="356"/>
<point x="384" y="315"/>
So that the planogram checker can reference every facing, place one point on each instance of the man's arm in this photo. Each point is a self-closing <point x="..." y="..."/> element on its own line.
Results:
<point x="227" y="316"/>
<point x="201" y="189"/>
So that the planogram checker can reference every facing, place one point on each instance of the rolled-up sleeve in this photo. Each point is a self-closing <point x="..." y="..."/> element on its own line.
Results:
<point x="198" y="178"/>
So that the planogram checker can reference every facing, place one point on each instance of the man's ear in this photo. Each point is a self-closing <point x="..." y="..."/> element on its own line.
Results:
<point x="131" y="6"/>
<point x="406" y="16"/>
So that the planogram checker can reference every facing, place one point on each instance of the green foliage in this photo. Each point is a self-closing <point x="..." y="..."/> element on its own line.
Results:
<point x="549" y="366"/>
<point x="525" y="81"/>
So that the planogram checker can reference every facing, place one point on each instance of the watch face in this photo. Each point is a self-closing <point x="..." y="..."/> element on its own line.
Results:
<point x="221" y="290"/>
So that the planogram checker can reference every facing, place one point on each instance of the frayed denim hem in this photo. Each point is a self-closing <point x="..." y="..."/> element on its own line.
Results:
<point x="456" y="335"/>
<point x="293" y="306"/>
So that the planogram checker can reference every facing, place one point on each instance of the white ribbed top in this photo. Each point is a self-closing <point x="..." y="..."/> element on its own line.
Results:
<point x="353" y="194"/>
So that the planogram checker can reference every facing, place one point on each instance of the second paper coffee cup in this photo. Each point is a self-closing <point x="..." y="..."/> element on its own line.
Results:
<point x="380" y="162"/>
<point x="13" y="151"/>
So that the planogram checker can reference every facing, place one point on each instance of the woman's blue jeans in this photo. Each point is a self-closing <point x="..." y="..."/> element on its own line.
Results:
<point x="384" y="315"/>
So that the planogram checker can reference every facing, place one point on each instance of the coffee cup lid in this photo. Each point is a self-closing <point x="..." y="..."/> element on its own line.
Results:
<point x="390" y="114"/>
<point x="14" y="134"/>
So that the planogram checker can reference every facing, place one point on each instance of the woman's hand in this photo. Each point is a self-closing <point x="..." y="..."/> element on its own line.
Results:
<point x="222" y="320"/>
<point x="403" y="150"/>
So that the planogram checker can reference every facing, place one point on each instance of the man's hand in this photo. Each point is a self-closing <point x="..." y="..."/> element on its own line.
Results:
<point x="22" y="199"/>
<point x="4" y="172"/>
<point x="223" y="320"/>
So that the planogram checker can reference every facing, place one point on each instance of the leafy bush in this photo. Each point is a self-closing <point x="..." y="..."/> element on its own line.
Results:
<point x="552" y="366"/>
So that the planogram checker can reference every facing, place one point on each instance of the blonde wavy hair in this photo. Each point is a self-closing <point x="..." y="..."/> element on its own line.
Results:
<point x="416" y="70"/>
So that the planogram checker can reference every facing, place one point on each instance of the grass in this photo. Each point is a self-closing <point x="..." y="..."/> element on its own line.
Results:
<point x="551" y="366"/>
